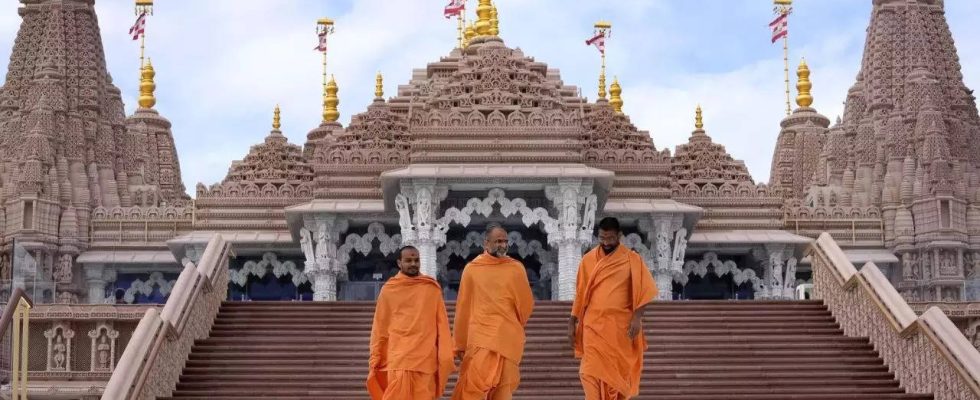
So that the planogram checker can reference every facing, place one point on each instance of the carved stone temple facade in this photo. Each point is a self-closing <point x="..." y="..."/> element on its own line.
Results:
<point x="94" y="209"/>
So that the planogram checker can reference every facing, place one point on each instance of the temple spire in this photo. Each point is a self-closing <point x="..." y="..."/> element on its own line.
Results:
<point x="803" y="85"/>
<point x="275" y="119"/>
<point x="616" y="101"/>
<point x="379" y="88"/>
<point x="484" y="11"/>
<point x="147" y="86"/>
<point x="330" y="101"/>
<point x="698" y="121"/>
<point x="494" y="22"/>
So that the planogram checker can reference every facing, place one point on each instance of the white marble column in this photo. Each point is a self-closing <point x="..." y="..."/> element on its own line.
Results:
<point x="576" y="205"/>
<point x="96" y="283"/>
<point x="779" y="271"/>
<point x="668" y="244"/>
<point x="319" y="238"/>
<point x="417" y="205"/>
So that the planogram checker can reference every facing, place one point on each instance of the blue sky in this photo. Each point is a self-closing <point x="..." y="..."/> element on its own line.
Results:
<point x="222" y="65"/>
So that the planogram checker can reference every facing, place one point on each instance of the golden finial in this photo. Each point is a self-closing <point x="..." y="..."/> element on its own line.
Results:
<point x="275" y="119"/>
<point x="330" y="101"/>
<point x="494" y="22"/>
<point x="615" y="91"/>
<point x="469" y="33"/>
<point x="147" y="86"/>
<point x="483" y="12"/>
<point x="379" y="88"/>
<point x="803" y="85"/>
<point x="698" y="122"/>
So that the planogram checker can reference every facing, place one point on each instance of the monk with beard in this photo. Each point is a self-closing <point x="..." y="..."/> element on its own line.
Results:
<point x="494" y="304"/>
<point x="613" y="289"/>
<point x="411" y="346"/>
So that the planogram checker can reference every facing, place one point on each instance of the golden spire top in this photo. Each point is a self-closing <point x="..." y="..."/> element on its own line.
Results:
<point x="379" y="87"/>
<point x="803" y="85"/>
<point x="275" y="119"/>
<point x="698" y="122"/>
<point x="483" y="13"/>
<point x="469" y="33"/>
<point x="494" y="22"/>
<point x="603" y="28"/>
<point x="147" y="86"/>
<point x="602" y="81"/>
<point x="330" y="101"/>
<point x="614" y="93"/>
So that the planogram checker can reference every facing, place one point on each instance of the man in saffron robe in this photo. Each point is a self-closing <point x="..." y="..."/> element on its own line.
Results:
<point x="613" y="288"/>
<point x="411" y="347"/>
<point x="492" y="309"/>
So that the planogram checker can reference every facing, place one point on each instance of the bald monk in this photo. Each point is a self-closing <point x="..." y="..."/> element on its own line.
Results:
<point x="493" y="306"/>
<point x="606" y="329"/>
<point x="411" y="347"/>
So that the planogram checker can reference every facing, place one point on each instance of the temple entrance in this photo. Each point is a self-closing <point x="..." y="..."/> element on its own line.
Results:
<point x="268" y="278"/>
<point x="713" y="278"/>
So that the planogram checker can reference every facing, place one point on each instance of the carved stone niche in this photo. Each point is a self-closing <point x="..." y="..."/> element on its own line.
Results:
<point x="59" y="347"/>
<point x="103" y="347"/>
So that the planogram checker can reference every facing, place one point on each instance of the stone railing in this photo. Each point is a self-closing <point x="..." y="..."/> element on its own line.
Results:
<point x="158" y="350"/>
<point x="928" y="354"/>
<point x="74" y="348"/>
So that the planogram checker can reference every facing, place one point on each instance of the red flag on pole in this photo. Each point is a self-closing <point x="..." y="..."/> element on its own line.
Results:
<point x="139" y="28"/>
<point x="780" y="27"/>
<point x="454" y="9"/>
<point x="599" y="41"/>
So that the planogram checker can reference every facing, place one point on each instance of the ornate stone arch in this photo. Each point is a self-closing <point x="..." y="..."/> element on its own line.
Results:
<point x="720" y="269"/>
<point x="269" y="263"/>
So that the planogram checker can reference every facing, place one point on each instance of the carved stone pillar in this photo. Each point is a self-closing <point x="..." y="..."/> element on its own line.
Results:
<point x="319" y="240"/>
<point x="779" y="271"/>
<point x="668" y="244"/>
<point x="96" y="283"/>
<point x="417" y="205"/>
<point x="570" y="231"/>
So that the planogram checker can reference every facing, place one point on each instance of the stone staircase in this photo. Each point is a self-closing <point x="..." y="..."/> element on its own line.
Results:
<point x="698" y="350"/>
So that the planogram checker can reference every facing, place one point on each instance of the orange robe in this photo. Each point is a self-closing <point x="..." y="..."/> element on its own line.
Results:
<point x="494" y="304"/>
<point x="411" y="346"/>
<point x="610" y="287"/>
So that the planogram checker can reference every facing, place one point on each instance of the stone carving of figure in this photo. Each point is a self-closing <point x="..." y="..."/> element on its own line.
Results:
<point x="423" y="209"/>
<point x="321" y="241"/>
<point x="907" y="266"/>
<point x="306" y="243"/>
<point x="404" y="216"/>
<point x="948" y="295"/>
<point x="680" y="247"/>
<point x="790" y="280"/>
<point x="776" y="263"/>
<point x="63" y="273"/>
<point x="663" y="247"/>
<point x="103" y="350"/>
<point x="975" y="267"/>
<point x="588" y="218"/>
<point x="59" y="353"/>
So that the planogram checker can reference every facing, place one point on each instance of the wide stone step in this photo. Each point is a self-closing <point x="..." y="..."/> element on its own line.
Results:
<point x="765" y="350"/>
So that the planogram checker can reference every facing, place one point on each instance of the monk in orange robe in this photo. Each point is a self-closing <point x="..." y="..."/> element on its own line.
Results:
<point x="605" y="329"/>
<point x="411" y="347"/>
<point x="492" y="309"/>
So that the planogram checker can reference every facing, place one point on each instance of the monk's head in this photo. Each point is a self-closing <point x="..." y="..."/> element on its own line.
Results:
<point x="408" y="261"/>
<point x="609" y="233"/>
<point x="496" y="242"/>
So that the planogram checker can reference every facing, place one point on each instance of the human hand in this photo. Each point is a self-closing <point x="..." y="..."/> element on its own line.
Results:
<point x="636" y="327"/>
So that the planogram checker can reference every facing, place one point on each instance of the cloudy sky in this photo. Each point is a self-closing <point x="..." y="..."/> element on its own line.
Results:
<point x="222" y="65"/>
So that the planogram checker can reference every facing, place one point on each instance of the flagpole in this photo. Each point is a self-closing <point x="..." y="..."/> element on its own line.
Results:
<point x="324" y="27"/>
<point x="783" y="7"/>
<point x="143" y="6"/>
<point x="602" y="28"/>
